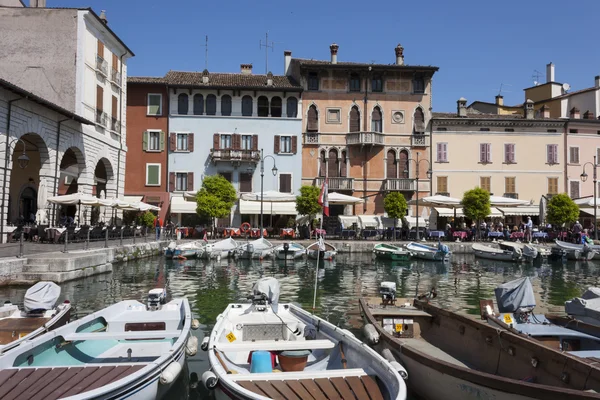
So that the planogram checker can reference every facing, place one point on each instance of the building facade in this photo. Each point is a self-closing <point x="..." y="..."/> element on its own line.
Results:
<point x="364" y="127"/>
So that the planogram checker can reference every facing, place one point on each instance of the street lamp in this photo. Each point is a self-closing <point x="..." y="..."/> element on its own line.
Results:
<point x="584" y="177"/>
<point x="262" y="176"/>
<point x="429" y="174"/>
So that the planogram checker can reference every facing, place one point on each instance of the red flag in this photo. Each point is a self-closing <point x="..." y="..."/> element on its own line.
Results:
<point x="205" y="238"/>
<point x="323" y="201"/>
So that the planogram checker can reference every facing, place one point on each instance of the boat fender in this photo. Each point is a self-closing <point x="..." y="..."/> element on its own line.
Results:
<point x="204" y="345"/>
<point x="371" y="334"/>
<point x="170" y="373"/>
<point x="209" y="379"/>
<point x="195" y="324"/>
<point x="191" y="347"/>
<point x="400" y="369"/>
<point x="387" y="354"/>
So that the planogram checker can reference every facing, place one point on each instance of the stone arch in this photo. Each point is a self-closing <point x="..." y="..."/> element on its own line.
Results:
<point x="374" y="109"/>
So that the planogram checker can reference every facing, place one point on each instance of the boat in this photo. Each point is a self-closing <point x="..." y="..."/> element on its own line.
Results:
<point x="184" y="250"/>
<point x="222" y="249"/>
<point x="321" y="250"/>
<point x="425" y="252"/>
<point x="529" y="251"/>
<point x="267" y="350"/>
<point x="127" y="350"/>
<point x="38" y="316"/>
<point x="577" y="252"/>
<point x="493" y="253"/>
<point x="585" y="308"/>
<point x="386" y="251"/>
<point x="289" y="251"/>
<point x="448" y="355"/>
<point x="256" y="249"/>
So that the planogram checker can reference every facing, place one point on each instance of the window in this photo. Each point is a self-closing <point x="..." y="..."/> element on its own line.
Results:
<point x="376" y="120"/>
<point x="211" y="104"/>
<point x="484" y="129"/>
<point x="286" y="144"/>
<point x="313" y="81"/>
<point x="392" y="165"/>
<point x="510" y="185"/>
<point x="419" y="85"/>
<point x="226" y="175"/>
<point x="552" y="154"/>
<point x="263" y="106"/>
<point x="404" y="172"/>
<point x="354" y="119"/>
<point x="181" y="181"/>
<point x="152" y="174"/>
<point x="285" y="183"/>
<point x="198" y="104"/>
<point x="154" y="104"/>
<point x="245" y="182"/>
<point x="485" y="153"/>
<point x="377" y="84"/>
<point x="182" y="104"/>
<point x="322" y="164"/>
<point x="225" y="142"/>
<point x="276" y="107"/>
<point x="153" y="140"/>
<point x="354" y="83"/>
<point x="247" y="106"/>
<point x="574" y="155"/>
<point x="574" y="186"/>
<point x="312" y="119"/>
<point x="509" y="153"/>
<point x="551" y="130"/>
<point x="333" y="170"/>
<point x="292" y="107"/>
<point x="442" y="184"/>
<point x="182" y="142"/>
<point x="334" y="116"/>
<point x="226" y="105"/>
<point x="246" y="142"/>
<point x="552" y="185"/>
<point x="485" y="182"/>
<point x="442" y="152"/>
<point x="419" y="120"/>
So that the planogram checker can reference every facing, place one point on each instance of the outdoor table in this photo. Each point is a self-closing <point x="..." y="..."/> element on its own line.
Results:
<point x="9" y="232"/>
<point x="255" y="232"/>
<point x="437" y="234"/>
<point x="287" y="232"/>
<point x="367" y="233"/>
<point x="517" y="235"/>
<point x="54" y="233"/>
<point x="321" y="232"/>
<point x="495" y="234"/>
<point x="460" y="235"/>
<point x="541" y="235"/>
<point x="348" y="233"/>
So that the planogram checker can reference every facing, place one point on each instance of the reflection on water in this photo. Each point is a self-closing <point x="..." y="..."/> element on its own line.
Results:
<point x="211" y="285"/>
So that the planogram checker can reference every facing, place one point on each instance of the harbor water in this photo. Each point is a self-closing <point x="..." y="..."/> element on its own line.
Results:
<point x="211" y="285"/>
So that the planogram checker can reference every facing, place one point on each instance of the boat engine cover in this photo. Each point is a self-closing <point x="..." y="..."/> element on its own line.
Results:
<point x="268" y="287"/>
<point x="514" y="295"/>
<point x="41" y="296"/>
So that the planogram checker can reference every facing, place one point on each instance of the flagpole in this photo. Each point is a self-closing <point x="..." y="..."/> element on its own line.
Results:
<point x="324" y="194"/>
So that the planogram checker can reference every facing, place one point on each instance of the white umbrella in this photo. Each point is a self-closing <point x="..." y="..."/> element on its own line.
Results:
<point x="42" y="202"/>
<point x="269" y="195"/>
<point x="543" y="207"/>
<point x="338" y="198"/>
<point x="499" y="201"/>
<point x="118" y="203"/>
<point x="587" y="202"/>
<point x="141" y="206"/>
<point x="437" y="201"/>
<point x="78" y="199"/>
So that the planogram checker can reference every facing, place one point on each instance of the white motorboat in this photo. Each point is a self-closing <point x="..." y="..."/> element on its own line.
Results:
<point x="529" y="251"/>
<point x="222" y="249"/>
<point x="289" y="251"/>
<point x="266" y="350"/>
<point x="184" y="250"/>
<point x="256" y="249"/>
<point x="39" y="315"/>
<point x="585" y="308"/>
<point x="127" y="350"/>
<point x="576" y="251"/>
<point x="425" y="252"/>
<point x="321" y="250"/>
<point x="493" y="253"/>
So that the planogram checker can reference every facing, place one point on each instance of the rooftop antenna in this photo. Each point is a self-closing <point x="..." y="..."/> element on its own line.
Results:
<point x="502" y="89"/>
<point x="267" y="45"/>
<point x="205" y="53"/>
<point x="536" y="77"/>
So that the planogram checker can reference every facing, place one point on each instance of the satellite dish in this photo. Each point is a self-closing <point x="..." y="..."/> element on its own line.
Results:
<point x="566" y="86"/>
<point x="535" y="83"/>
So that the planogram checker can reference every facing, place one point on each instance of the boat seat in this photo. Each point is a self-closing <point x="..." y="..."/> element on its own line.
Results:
<point x="279" y="376"/>
<point x="276" y="345"/>
<point x="72" y="337"/>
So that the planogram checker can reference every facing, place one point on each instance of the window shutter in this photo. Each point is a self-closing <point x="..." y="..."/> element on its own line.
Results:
<point x="236" y="142"/>
<point x="276" y="144"/>
<point x="419" y="118"/>
<point x="216" y="140"/>
<point x="100" y="49"/>
<point x="313" y="120"/>
<point x="439" y="152"/>
<point x="254" y="142"/>
<point x="115" y="62"/>
<point x="574" y="189"/>
<point x="115" y="107"/>
<point x="343" y="166"/>
<point x="190" y="139"/>
<point x="162" y="141"/>
<point x="99" y="98"/>
<point x="354" y="120"/>
<point x="294" y="144"/>
<point x="511" y="148"/>
<point x="488" y="152"/>
<point x="173" y="141"/>
<point x="190" y="181"/>
<point x="145" y="141"/>
<point x="171" y="181"/>
<point x="555" y="157"/>
<point x="482" y="152"/>
<point x="445" y="152"/>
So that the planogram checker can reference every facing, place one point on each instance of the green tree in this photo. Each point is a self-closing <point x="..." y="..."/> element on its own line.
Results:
<point x="395" y="206"/>
<point x="476" y="205"/>
<point x="562" y="210"/>
<point x="215" y="198"/>
<point x="308" y="201"/>
<point x="146" y="219"/>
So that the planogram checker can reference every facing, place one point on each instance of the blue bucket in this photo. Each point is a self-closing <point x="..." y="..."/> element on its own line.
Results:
<point x="261" y="362"/>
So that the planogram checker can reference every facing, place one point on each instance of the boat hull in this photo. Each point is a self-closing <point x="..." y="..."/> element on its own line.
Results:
<point x="392" y="256"/>
<point x="426" y="253"/>
<point x="322" y="255"/>
<point x="289" y="255"/>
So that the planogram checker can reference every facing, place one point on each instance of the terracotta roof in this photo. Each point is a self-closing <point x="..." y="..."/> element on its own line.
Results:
<point x="445" y="115"/>
<point x="350" y="64"/>
<point x="146" y="79"/>
<point x="231" y="80"/>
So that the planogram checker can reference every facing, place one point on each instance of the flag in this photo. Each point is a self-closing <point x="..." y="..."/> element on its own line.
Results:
<point x="323" y="201"/>
<point x="205" y="238"/>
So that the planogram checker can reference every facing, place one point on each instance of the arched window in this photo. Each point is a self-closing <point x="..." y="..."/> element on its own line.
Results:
<point x="276" y="107"/>
<point x="182" y="104"/>
<point x="198" y="104"/>
<point x="292" y="107"/>
<point x="263" y="106"/>
<point x="247" y="106"/>
<point x="333" y="170"/>
<point x="312" y="124"/>
<point x="376" y="120"/>
<point x="211" y="104"/>
<point x="226" y="105"/>
<point x="404" y="172"/>
<point x="343" y="166"/>
<point x="354" y="119"/>
<point x="322" y="164"/>
<point x="392" y="165"/>
<point x="419" y="119"/>
<point x="354" y="83"/>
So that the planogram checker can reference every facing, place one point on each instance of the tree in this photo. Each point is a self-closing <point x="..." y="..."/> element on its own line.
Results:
<point x="215" y="198"/>
<point x="395" y="206"/>
<point x="308" y="201"/>
<point x="476" y="205"/>
<point x="562" y="210"/>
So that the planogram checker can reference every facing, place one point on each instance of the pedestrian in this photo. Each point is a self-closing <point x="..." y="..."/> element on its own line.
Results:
<point x="528" y="229"/>
<point x="157" y="226"/>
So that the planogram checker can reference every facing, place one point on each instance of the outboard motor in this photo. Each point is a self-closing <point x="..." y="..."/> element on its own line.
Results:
<point x="156" y="298"/>
<point x="264" y="293"/>
<point x="388" y="292"/>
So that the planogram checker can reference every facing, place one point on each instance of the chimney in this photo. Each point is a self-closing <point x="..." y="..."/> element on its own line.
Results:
<point x="529" y="111"/>
<point x="462" y="107"/>
<point x="334" y="49"/>
<point x="270" y="79"/>
<point x="246" y="69"/>
<point x="205" y="75"/>
<point x="550" y="73"/>
<point x="287" y="59"/>
<point x="399" y="55"/>
<point x="103" y="17"/>
<point x="588" y="115"/>
<point x="597" y="81"/>
<point x="37" y="3"/>
<point x="574" y="113"/>
<point x="499" y="100"/>
<point x="545" y="111"/>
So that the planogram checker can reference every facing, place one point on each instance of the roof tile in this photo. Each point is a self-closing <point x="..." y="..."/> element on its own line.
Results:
<point x="231" y="80"/>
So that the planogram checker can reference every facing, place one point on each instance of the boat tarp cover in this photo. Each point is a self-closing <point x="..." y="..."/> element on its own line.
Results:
<point x="583" y="307"/>
<point x="514" y="295"/>
<point x="270" y="287"/>
<point x="591" y="293"/>
<point x="41" y="296"/>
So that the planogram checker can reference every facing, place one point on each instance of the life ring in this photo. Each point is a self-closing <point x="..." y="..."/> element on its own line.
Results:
<point x="245" y="227"/>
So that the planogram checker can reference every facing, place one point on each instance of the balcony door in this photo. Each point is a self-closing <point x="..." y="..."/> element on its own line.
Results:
<point x="392" y="165"/>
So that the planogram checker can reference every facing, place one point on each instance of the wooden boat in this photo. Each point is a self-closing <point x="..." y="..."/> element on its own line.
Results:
<point x="222" y="249"/>
<point x="267" y="350"/>
<point x="386" y="251"/>
<point x="39" y="315"/>
<point x="425" y="252"/>
<point x="322" y="250"/>
<point x="492" y="253"/>
<point x="289" y="251"/>
<point x="256" y="249"/>
<point x="529" y="251"/>
<point x="184" y="250"/>
<point x="127" y="350"/>
<point x="577" y="252"/>
<point x="453" y="356"/>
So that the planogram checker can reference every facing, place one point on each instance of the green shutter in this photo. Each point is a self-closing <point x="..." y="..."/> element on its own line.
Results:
<point x="152" y="174"/>
<point x="145" y="141"/>
<point x="162" y="141"/>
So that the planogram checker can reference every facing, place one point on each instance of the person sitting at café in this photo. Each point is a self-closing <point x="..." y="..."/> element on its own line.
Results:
<point x="70" y="221"/>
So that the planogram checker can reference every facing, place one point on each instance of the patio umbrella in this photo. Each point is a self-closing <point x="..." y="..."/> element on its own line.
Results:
<point x="543" y="206"/>
<point x="141" y="206"/>
<point x="499" y="201"/>
<point x="439" y="201"/>
<point x="269" y="195"/>
<point x="338" y="198"/>
<point x="42" y="202"/>
<point x="78" y="199"/>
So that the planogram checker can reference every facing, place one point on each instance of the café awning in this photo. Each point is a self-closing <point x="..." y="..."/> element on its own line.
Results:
<point x="179" y="205"/>
<point x="531" y="211"/>
<point x="269" y="207"/>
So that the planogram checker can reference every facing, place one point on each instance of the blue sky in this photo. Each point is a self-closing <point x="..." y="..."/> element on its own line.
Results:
<point x="478" y="45"/>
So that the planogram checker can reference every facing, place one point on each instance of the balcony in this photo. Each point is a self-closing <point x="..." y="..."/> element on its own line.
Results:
<point x="101" y="65"/>
<point x="419" y="140"/>
<point x="365" y="139"/>
<point x="311" y="138"/>
<point x="337" y="183"/>
<point x="399" y="185"/>
<point x="511" y="195"/>
<point x="115" y="77"/>
<point x="115" y="125"/>
<point x="235" y="156"/>
<point x="101" y="118"/>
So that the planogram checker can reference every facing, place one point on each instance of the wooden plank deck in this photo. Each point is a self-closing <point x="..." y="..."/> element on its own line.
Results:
<point x="12" y="328"/>
<point x="54" y="383"/>
<point x="351" y="388"/>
